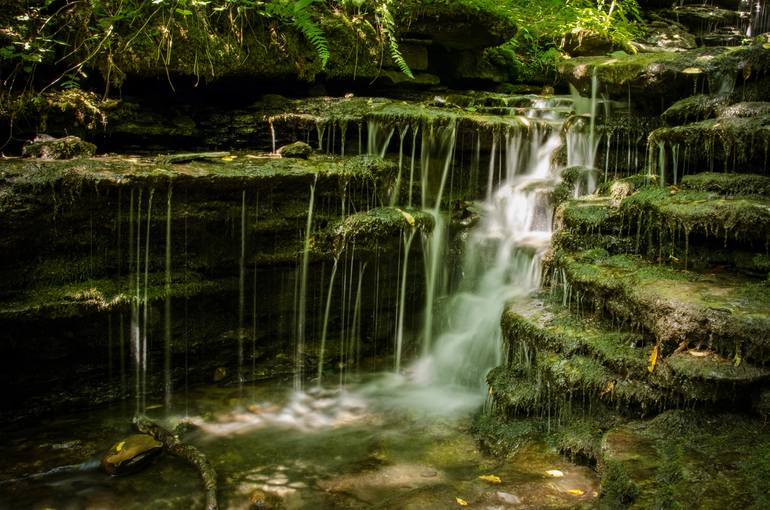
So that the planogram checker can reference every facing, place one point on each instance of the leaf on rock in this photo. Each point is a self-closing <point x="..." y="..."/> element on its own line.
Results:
<point x="408" y="217"/>
<point x="491" y="478"/>
<point x="653" y="358"/>
<point x="461" y="502"/>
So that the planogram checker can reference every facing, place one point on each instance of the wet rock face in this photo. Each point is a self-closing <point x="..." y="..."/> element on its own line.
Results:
<point x="58" y="148"/>
<point x="131" y="454"/>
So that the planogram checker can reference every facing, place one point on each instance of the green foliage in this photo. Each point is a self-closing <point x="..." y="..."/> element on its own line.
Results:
<point x="301" y="17"/>
<point x="388" y="25"/>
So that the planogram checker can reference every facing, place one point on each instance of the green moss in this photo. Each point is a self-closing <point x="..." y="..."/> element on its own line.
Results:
<point x="728" y="184"/>
<point x="584" y="214"/>
<point x="619" y="68"/>
<point x="100" y="295"/>
<point x="376" y="227"/>
<point x="694" y="108"/>
<point x="744" y="218"/>
<point x="548" y="326"/>
<point x="726" y="311"/>
<point x="734" y="143"/>
<point x="687" y="459"/>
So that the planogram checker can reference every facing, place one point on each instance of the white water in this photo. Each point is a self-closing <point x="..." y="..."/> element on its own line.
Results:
<point x="501" y="261"/>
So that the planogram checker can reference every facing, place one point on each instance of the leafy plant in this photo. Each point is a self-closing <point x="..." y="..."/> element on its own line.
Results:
<point x="389" y="28"/>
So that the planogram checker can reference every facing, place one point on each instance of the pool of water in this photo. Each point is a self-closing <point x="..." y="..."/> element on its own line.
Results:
<point x="382" y="442"/>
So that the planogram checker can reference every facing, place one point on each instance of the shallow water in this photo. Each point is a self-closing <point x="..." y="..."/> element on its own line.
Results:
<point x="381" y="443"/>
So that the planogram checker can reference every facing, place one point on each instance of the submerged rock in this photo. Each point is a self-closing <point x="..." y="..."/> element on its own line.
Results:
<point x="59" y="148"/>
<point x="299" y="150"/>
<point x="131" y="454"/>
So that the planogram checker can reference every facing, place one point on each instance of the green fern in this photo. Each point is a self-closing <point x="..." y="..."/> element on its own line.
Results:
<point x="389" y="27"/>
<point x="302" y="19"/>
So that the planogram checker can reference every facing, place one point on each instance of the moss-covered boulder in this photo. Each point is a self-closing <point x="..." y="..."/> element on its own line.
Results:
<point x="59" y="148"/>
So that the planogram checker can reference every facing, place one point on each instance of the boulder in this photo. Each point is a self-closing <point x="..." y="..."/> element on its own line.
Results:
<point x="46" y="147"/>
<point x="131" y="454"/>
<point x="295" y="150"/>
<point x="582" y="42"/>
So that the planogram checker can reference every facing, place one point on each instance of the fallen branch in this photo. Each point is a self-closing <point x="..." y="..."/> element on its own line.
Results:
<point x="190" y="454"/>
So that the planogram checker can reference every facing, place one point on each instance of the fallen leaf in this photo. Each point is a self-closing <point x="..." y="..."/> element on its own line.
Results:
<point x="697" y="354"/>
<point x="461" y="502"/>
<point x="738" y="359"/>
<point x="228" y="158"/>
<point x="554" y="473"/>
<point x="120" y="446"/>
<point x="491" y="478"/>
<point x="608" y="389"/>
<point x="154" y="406"/>
<point x="576" y="492"/>
<point x="692" y="70"/>
<point x="408" y="217"/>
<point x="653" y="358"/>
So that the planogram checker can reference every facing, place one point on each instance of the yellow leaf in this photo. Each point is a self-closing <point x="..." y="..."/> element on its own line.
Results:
<point x="408" y="217"/>
<point x="120" y="446"/>
<point x="228" y="158"/>
<point x="608" y="389"/>
<point x="491" y="478"/>
<point x="766" y="46"/>
<point x="153" y="406"/>
<point x="692" y="70"/>
<point x="576" y="492"/>
<point x="554" y="473"/>
<point x="747" y="72"/>
<point x="738" y="359"/>
<point x="653" y="358"/>
<point x="461" y="502"/>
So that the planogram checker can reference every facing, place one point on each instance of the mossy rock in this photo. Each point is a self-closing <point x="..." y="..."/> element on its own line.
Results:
<point x="694" y="109"/>
<point x="744" y="218"/>
<point x="687" y="459"/>
<point x="732" y="144"/>
<point x="377" y="227"/>
<point x="59" y="148"/>
<point x="545" y="325"/>
<point x="672" y="73"/>
<point x="729" y="184"/>
<point x="131" y="454"/>
<point x="728" y="312"/>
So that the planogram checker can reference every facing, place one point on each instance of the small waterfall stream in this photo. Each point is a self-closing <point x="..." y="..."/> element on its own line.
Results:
<point x="502" y="254"/>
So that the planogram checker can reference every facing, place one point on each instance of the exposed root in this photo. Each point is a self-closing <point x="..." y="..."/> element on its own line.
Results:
<point x="190" y="454"/>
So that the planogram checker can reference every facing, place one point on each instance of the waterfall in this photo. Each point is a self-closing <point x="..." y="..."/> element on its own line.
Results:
<point x="302" y="297"/>
<point x="501" y="260"/>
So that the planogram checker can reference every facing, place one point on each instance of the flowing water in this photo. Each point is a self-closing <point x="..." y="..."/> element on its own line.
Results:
<point x="393" y="436"/>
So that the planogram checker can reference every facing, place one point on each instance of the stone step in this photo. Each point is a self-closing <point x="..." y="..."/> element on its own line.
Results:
<point x="729" y="185"/>
<point x="711" y="219"/>
<point x="547" y="341"/>
<point x="657" y="80"/>
<point x="730" y="143"/>
<point x="725" y="312"/>
<point x="95" y="296"/>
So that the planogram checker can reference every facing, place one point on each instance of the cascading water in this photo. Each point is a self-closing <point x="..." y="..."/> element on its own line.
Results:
<point x="502" y="256"/>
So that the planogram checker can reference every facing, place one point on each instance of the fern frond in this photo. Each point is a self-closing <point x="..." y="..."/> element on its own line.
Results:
<point x="389" y="28"/>
<point x="302" y="19"/>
